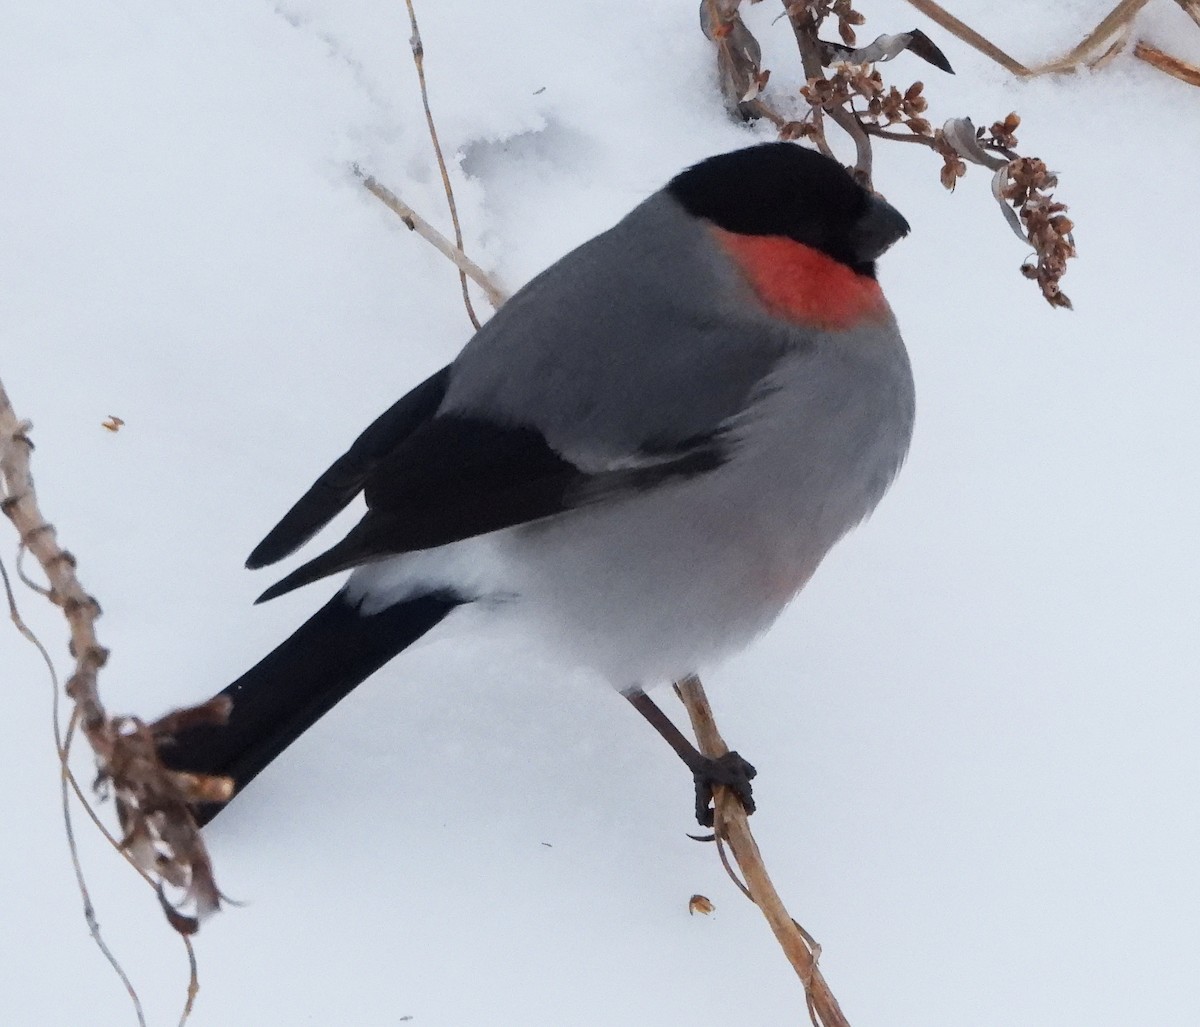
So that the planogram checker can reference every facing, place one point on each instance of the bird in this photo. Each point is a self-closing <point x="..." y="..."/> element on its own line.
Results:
<point x="641" y="458"/>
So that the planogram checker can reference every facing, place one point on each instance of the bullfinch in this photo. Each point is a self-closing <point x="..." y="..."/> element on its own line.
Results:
<point x="640" y="459"/>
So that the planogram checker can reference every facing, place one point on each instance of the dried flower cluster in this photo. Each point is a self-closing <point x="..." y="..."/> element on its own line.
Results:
<point x="953" y="167"/>
<point x="1027" y="187"/>
<point x="885" y="105"/>
<point x="847" y="18"/>
<point x="1002" y="133"/>
<point x="844" y="84"/>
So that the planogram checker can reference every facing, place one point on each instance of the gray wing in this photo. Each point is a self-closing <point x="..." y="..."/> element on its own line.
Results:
<point x="645" y="334"/>
<point x="619" y="368"/>
<point x="457" y="477"/>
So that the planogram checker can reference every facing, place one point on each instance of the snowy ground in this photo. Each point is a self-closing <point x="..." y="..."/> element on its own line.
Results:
<point x="976" y="730"/>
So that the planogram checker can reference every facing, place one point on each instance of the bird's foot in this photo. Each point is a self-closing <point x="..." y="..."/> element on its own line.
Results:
<point x="729" y="770"/>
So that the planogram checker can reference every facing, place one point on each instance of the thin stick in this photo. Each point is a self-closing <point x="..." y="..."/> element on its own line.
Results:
<point x="415" y="223"/>
<point x="63" y="748"/>
<point x="418" y="52"/>
<point x="936" y="13"/>
<point x="1116" y="20"/>
<point x="153" y="802"/>
<point x="733" y="826"/>
<point x="193" y="986"/>
<point x="1191" y="9"/>
<point x="1173" y="66"/>
<point x="805" y="31"/>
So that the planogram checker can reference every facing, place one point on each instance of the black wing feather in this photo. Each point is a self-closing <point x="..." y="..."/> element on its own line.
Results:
<point x="456" y="477"/>
<point x="334" y="490"/>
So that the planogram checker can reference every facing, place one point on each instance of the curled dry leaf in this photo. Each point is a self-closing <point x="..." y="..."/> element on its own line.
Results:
<point x="153" y="809"/>
<point x="739" y="57"/>
<point x="886" y="47"/>
<point x="999" y="185"/>
<point x="962" y="136"/>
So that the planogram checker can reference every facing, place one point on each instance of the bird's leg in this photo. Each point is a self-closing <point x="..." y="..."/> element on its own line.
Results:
<point x="729" y="770"/>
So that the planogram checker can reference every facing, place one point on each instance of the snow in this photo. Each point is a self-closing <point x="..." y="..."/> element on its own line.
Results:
<point x="975" y="730"/>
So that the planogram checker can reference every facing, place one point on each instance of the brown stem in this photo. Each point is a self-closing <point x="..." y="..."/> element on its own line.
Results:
<point x="805" y="31"/>
<point x="1116" y="20"/>
<point x="1173" y="66"/>
<point x="898" y="137"/>
<point x="415" y="223"/>
<point x="936" y="13"/>
<point x="418" y="52"/>
<point x="1191" y="8"/>
<point x="152" y="801"/>
<point x="733" y="826"/>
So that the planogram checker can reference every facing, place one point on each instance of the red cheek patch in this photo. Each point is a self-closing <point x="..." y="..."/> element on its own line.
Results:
<point x="799" y="283"/>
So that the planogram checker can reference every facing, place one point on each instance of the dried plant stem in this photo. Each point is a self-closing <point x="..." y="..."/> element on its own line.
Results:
<point x="20" y="505"/>
<point x="1117" y="20"/>
<point x="160" y="834"/>
<point x="1173" y="66"/>
<point x="939" y="15"/>
<point x="68" y="781"/>
<point x="805" y="31"/>
<point x="414" y="222"/>
<point x="733" y="827"/>
<point x="1109" y="38"/>
<point x="761" y="109"/>
<point x="193" y="985"/>
<point x="418" y="52"/>
<point x="89" y="910"/>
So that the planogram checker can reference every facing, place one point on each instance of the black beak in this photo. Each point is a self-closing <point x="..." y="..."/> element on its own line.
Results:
<point x="878" y="228"/>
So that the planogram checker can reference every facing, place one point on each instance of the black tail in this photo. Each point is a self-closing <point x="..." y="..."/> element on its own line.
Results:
<point x="281" y="697"/>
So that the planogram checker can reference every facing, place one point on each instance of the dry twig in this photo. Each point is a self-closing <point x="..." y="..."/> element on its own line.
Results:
<point x="415" y="223"/>
<point x="418" y="52"/>
<point x="1110" y="37"/>
<point x="733" y="828"/>
<point x="960" y="30"/>
<point x="1173" y="66"/>
<point x="159" y="834"/>
<point x="68" y="780"/>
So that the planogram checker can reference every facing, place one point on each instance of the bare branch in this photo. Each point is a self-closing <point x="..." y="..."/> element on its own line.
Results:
<point x="418" y="52"/>
<point x="415" y="223"/>
<point x="1110" y="37"/>
<point x="1117" y="20"/>
<point x="160" y="834"/>
<point x="1173" y="66"/>
<point x="938" y="14"/>
<point x="1191" y="8"/>
<point x="68" y="779"/>
<point x="733" y="827"/>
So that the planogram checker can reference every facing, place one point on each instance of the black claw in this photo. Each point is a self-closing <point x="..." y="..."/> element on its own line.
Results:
<point x="729" y="770"/>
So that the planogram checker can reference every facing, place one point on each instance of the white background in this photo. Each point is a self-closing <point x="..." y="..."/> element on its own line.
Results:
<point x="976" y="730"/>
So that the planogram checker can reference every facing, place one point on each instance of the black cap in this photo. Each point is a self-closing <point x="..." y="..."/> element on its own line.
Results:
<point x="785" y="189"/>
